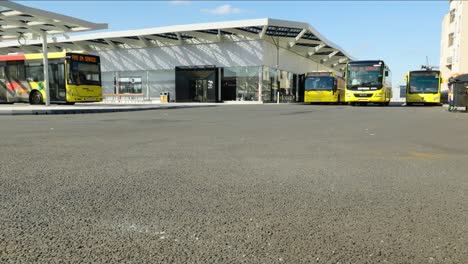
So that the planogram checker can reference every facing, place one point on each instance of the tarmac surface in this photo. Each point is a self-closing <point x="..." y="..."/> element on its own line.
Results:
<point x="236" y="184"/>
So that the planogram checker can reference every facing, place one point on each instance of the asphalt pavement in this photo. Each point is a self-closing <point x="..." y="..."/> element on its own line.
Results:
<point x="236" y="184"/>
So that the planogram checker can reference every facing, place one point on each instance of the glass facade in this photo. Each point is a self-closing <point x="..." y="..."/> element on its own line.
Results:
<point x="143" y="82"/>
<point x="237" y="83"/>
<point x="240" y="83"/>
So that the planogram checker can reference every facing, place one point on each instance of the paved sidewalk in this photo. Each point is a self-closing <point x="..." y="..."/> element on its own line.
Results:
<point x="26" y="109"/>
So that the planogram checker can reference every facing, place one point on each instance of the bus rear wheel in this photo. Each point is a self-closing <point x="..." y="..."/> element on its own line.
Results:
<point x="35" y="98"/>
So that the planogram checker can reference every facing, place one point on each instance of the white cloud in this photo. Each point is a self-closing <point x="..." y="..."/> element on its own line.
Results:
<point x="179" y="2"/>
<point x="223" y="10"/>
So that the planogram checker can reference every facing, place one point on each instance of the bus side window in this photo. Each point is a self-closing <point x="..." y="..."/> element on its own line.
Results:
<point x="35" y="72"/>
<point x="15" y="72"/>
<point x="21" y="72"/>
<point x="2" y="73"/>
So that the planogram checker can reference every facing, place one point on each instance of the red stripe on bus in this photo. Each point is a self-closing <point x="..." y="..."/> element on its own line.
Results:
<point x="13" y="85"/>
<point x="12" y="57"/>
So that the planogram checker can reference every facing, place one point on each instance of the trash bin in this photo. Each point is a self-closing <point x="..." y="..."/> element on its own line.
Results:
<point x="458" y="92"/>
<point x="164" y="97"/>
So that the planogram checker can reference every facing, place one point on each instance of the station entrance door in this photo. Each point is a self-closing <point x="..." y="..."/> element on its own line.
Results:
<point x="196" y="84"/>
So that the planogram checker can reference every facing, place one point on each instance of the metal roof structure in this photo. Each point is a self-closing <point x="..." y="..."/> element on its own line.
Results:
<point x="18" y="20"/>
<point x="300" y="38"/>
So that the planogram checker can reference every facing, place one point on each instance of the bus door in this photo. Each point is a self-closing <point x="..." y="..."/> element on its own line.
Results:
<point x="57" y="81"/>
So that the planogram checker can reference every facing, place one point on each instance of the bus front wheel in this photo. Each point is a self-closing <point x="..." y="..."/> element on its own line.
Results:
<point x="35" y="98"/>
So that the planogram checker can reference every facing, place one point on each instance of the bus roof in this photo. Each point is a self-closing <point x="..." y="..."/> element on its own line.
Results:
<point x="12" y="57"/>
<point x="370" y="62"/>
<point x="320" y="73"/>
<point x="35" y="56"/>
<point x="366" y="61"/>
<point x="438" y="71"/>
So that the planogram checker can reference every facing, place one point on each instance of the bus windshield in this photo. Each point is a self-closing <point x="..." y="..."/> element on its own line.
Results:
<point x="319" y="83"/>
<point x="84" y="70"/>
<point x="424" y="83"/>
<point x="365" y="75"/>
<point x="84" y="73"/>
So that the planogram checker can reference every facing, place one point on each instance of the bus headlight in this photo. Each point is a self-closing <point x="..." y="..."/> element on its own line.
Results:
<point x="436" y="98"/>
<point x="378" y="95"/>
<point x="348" y="94"/>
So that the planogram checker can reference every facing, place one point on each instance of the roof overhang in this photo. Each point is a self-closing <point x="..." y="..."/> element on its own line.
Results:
<point x="300" y="38"/>
<point x="17" y="21"/>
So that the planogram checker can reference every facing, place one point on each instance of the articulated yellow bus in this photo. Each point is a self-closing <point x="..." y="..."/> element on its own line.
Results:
<point x="368" y="82"/>
<point x="423" y="87"/>
<point x="73" y="77"/>
<point x="323" y="87"/>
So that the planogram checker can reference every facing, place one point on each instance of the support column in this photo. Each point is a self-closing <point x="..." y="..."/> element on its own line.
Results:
<point x="297" y="88"/>
<point x="219" y="84"/>
<point x="118" y="82"/>
<point x="260" y="84"/>
<point x="45" y="62"/>
<point x="147" y="86"/>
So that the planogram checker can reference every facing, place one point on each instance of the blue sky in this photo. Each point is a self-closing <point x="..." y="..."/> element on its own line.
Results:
<point x="402" y="33"/>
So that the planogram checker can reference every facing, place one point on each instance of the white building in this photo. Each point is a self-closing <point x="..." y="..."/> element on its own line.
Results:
<point x="454" y="44"/>
<point x="251" y="60"/>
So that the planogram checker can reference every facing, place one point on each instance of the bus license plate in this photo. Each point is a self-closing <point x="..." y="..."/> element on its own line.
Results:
<point x="91" y="99"/>
<point x="360" y="99"/>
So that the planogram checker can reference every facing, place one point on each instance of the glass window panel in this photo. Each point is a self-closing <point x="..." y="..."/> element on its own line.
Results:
<point x="245" y="80"/>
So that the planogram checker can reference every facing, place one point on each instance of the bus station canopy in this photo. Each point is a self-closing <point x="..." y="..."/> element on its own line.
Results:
<point x="19" y="21"/>
<point x="300" y="38"/>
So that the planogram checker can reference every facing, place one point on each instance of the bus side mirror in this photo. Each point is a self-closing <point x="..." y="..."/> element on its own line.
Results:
<point x="442" y="80"/>
<point x="335" y="85"/>
<point x="386" y="73"/>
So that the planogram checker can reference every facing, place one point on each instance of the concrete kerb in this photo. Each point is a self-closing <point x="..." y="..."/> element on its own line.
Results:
<point x="93" y="110"/>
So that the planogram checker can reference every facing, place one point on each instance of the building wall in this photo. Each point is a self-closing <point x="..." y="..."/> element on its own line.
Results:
<point x="460" y="32"/>
<point x="156" y="66"/>
<point x="288" y="60"/>
<point x="226" y="54"/>
<point x="246" y="61"/>
<point x="453" y="58"/>
<point x="444" y="50"/>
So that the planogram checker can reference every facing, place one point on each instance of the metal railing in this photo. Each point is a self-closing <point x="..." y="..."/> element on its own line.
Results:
<point x="123" y="98"/>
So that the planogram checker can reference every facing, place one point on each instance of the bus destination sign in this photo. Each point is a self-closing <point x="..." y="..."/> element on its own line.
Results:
<point x="319" y="74"/>
<point x="365" y="68"/>
<point x="84" y="58"/>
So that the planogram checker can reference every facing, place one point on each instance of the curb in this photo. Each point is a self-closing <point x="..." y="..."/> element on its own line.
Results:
<point x="87" y="110"/>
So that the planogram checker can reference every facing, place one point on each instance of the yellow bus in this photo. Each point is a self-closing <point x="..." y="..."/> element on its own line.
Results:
<point x="323" y="87"/>
<point x="73" y="77"/>
<point x="423" y="87"/>
<point x="368" y="82"/>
